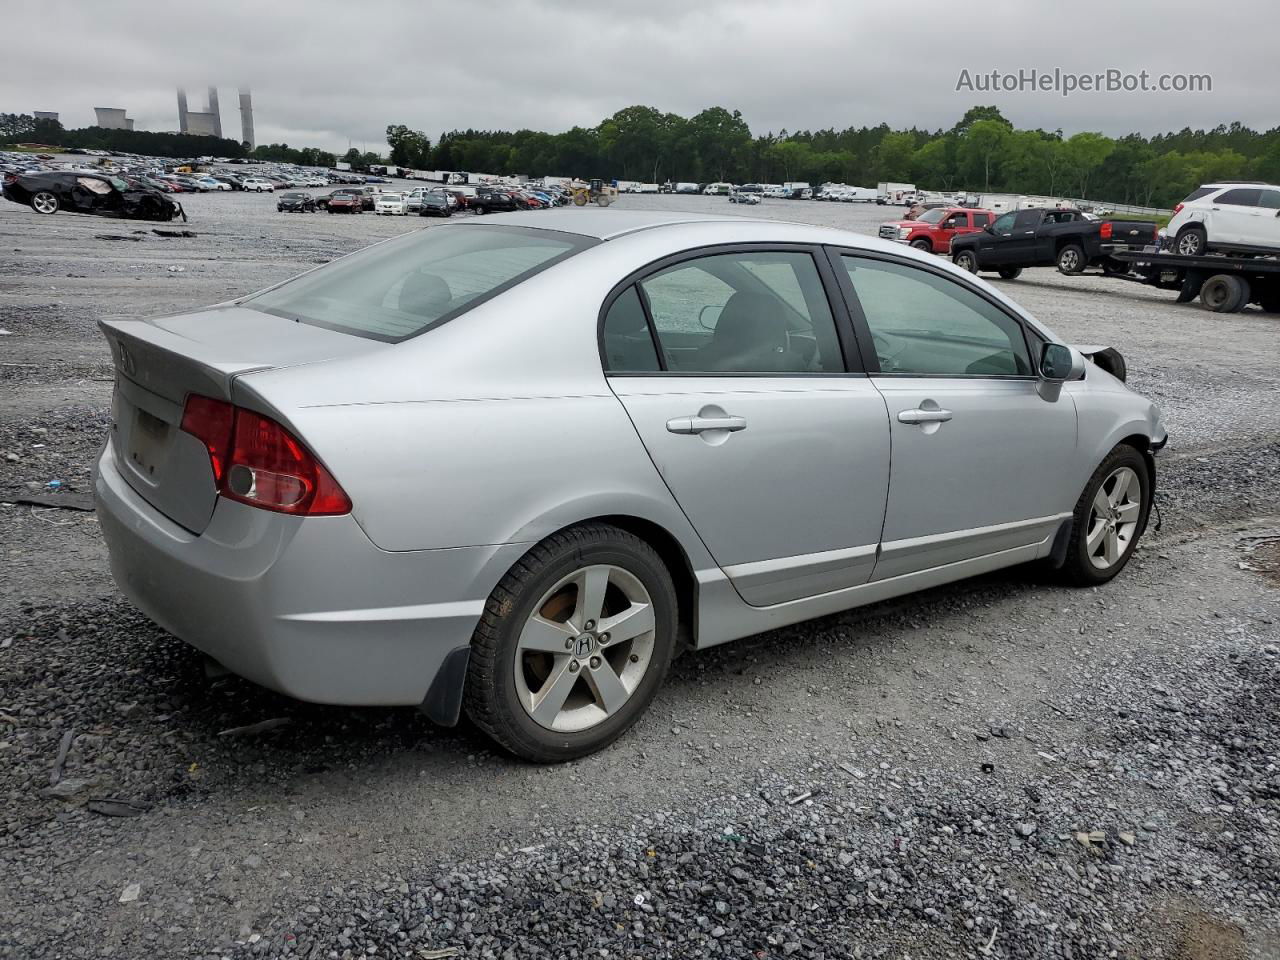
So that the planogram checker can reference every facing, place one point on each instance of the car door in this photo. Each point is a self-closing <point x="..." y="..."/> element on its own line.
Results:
<point x="993" y="244"/>
<point x="1268" y="221"/>
<point x="979" y="458"/>
<point x="1025" y="246"/>
<point x="1234" y="217"/>
<point x="757" y="415"/>
<point x="967" y="221"/>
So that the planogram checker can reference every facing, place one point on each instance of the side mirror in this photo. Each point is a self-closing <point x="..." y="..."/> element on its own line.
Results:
<point x="1058" y="364"/>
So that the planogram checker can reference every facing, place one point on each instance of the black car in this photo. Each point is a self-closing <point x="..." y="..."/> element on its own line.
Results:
<point x="296" y="203"/>
<point x="50" y="191"/>
<point x="493" y="201"/>
<point x="435" y="205"/>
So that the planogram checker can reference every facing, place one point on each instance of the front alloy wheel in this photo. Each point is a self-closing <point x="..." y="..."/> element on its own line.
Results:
<point x="1109" y="518"/>
<point x="573" y="644"/>
<point x="1113" y="518"/>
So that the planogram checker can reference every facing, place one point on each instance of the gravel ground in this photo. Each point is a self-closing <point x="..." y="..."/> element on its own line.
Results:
<point x="999" y="768"/>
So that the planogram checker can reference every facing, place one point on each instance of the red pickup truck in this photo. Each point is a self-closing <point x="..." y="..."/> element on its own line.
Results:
<point x="933" y="229"/>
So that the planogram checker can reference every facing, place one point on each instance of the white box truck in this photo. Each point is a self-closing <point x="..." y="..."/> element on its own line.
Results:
<point x="894" y="194"/>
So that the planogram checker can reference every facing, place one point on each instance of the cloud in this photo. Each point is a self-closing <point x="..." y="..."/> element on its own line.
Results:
<point x="325" y="73"/>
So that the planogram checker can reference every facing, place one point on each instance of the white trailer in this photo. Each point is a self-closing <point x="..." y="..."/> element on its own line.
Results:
<point x="894" y="193"/>
<point x="686" y="187"/>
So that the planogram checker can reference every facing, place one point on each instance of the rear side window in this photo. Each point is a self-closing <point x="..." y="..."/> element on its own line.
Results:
<point x="981" y="219"/>
<point x="397" y="290"/>
<point x="754" y="313"/>
<point x="1241" y="197"/>
<point x="1198" y="193"/>
<point x="1027" y="219"/>
<point x="628" y="344"/>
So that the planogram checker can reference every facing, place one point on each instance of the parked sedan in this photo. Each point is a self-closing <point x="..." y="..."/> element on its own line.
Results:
<point x="296" y="203"/>
<point x="345" y="202"/>
<point x="352" y="487"/>
<point x="390" y="205"/>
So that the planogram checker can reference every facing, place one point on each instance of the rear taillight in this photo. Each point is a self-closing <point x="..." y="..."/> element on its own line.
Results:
<point x="1105" y="231"/>
<point x="1178" y="209"/>
<point x="10" y="178"/>
<point x="258" y="462"/>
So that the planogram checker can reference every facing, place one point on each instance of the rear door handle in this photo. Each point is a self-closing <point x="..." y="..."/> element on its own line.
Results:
<point x="702" y="424"/>
<point x="924" y="416"/>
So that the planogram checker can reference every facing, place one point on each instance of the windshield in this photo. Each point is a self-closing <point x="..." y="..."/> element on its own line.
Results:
<point x="396" y="290"/>
<point x="932" y="216"/>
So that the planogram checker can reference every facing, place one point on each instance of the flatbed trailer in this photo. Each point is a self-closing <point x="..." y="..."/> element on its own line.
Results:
<point x="1224" y="284"/>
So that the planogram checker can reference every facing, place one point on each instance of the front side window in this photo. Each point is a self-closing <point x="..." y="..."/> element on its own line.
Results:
<point x="399" y="289"/>
<point x="923" y="324"/>
<point x="760" y="313"/>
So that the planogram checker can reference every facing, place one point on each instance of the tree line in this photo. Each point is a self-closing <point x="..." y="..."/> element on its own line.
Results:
<point x="983" y="151"/>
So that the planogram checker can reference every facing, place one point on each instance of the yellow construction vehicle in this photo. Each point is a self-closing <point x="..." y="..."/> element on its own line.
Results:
<point x="597" y="192"/>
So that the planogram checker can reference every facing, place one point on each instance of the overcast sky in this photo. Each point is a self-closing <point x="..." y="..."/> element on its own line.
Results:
<point x="326" y="73"/>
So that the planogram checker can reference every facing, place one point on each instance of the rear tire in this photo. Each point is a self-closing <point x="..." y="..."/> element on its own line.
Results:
<point x="966" y="260"/>
<point x="1071" y="259"/>
<point x="1191" y="241"/>
<point x="45" y="202"/>
<point x="517" y="644"/>
<point x="1224" y="293"/>
<point x="1108" y="521"/>
<point x="1010" y="273"/>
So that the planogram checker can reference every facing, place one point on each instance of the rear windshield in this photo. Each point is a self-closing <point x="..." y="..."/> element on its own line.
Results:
<point x="396" y="290"/>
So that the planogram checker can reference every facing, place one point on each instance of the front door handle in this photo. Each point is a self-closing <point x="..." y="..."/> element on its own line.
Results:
<point x="919" y="415"/>
<point x="703" y="424"/>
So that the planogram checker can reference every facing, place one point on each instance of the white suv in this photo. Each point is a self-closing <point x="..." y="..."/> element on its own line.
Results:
<point x="259" y="185"/>
<point x="1237" y="217"/>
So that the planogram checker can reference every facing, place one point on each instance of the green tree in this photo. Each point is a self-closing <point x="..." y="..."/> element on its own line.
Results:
<point x="980" y="149"/>
<point x="1085" y="153"/>
<point x="891" y="157"/>
<point x="409" y="148"/>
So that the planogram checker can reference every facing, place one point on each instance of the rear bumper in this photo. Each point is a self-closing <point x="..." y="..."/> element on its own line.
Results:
<point x="305" y="606"/>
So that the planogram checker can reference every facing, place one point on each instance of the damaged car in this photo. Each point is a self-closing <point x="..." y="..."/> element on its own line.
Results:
<point x="50" y="191"/>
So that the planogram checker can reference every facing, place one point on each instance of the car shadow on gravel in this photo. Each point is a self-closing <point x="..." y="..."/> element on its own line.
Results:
<point x="148" y="724"/>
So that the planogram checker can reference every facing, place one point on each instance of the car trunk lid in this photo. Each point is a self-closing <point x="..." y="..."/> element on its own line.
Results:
<point x="160" y="362"/>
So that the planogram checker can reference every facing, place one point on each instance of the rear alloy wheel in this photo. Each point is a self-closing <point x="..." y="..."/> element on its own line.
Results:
<point x="1191" y="241"/>
<point x="1109" y="518"/>
<point x="966" y="260"/>
<point x="44" y="202"/>
<point x="573" y="644"/>
<point x="1071" y="259"/>
<point x="1225" y="293"/>
<point x="1010" y="273"/>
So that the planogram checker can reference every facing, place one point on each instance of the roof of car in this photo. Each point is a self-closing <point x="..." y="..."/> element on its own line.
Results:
<point x="605" y="224"/>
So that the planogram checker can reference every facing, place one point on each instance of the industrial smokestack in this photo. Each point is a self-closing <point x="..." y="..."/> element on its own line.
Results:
<point x="213" y="109"/>
<point x="182" y="110"/>
<point x="246" y="118"/>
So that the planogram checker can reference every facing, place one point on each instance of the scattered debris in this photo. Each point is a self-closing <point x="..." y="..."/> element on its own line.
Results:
<point x="1128" y="839"/>
<point x="170" y="233"/>
<point x="68" y="789"/>
<point x="252" y="729"/>
<point x="114" y="807"/>
<point x="115" y="236"/>
<point x="130" y="893"/>
<point x="440" y="954"/>
<point x="81" y="502"/>
<point x="63" y="749"/>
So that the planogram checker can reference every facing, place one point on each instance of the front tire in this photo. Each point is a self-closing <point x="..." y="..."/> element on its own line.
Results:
<point x="45" y="202"/>
<point x="923" y="245"/>
<point x="573" y="644"/>
<point x="1109" y="518"/>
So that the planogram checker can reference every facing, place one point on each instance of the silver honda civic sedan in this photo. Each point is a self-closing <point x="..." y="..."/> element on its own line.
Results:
<point x="514" y="466"/>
